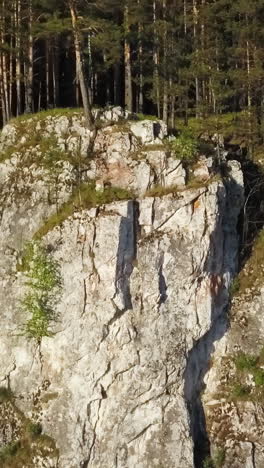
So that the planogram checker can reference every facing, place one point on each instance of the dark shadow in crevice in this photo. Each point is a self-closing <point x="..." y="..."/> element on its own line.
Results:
<point x="162" y="283"/>
<point x="221" y="265"/>
<point x="251" y="219"/>
<point x="127" y="253"/>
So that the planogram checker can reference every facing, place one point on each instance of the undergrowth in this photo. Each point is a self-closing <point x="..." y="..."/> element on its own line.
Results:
<point x="185" y="147"/>
<point x="160" y="191"/>
<point x="29" y="443"/>
<point x="216" y="461"/>
<point x="248" y="367"/>
<point x="44" y="114"/>
<point x="252" y="275"/>
<point x="5" y="394"/>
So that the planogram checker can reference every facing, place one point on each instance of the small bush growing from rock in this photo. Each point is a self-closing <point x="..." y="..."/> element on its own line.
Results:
<point x="34" y="429"/>
<point x="44" y="283"/>
<point x="259" y="377"/>
<point x="185" y="146"/>
<point x="217" y="461"/>
<point x="240" y="392"/>
<point x="5" y="394"/>
<point x="9" y="451"/>
<point x="234" y="287"/>
<point x="246" y="362"/>
<point x="208" y="463"/>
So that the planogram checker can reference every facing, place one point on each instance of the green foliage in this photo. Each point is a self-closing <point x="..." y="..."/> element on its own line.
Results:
<point x="44" y="289"/>
<point x="34" y="429"/>
<point x="160" y="191"/>
<point x="254" y="266"/>
<point x="5" y="394"/>
<point x="234" y="287"/>
<point x="146" y="117"/>
<point x="240" y="391"/>
<point x="245" y="362"/>
<point x="259" y="377"/>
<point x="42" y="115"/>
<point x="217" y="461"/>
<point x="185" y="147"/>
<point x="84" y="197"/>
<point x="9" y="451"/>
<point x="28" y="444"/>
<point x="208" y="463"/>
<point x="248" y="364"/>
<point x="219" y="457"/>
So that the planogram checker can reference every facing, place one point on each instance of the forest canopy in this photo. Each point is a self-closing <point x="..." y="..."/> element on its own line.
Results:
<point x="171" y="58"/>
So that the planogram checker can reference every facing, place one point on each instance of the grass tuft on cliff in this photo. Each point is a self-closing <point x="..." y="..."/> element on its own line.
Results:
<point x="84" y="197"/>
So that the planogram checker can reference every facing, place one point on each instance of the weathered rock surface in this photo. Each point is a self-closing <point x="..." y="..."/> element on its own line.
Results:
<point x="143" y="281"/>
<point x="233" y="396"/>
<point x="126" y="154"/>
<point x="235" y="421"/>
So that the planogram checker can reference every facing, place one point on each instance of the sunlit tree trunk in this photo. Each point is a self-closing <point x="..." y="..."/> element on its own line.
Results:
<point x="165" y="45"/>
<point x="55" y="82"/>
<point x="80" y="66"/>
<point x="18" y="58"/>
<point x="195" y="23"/>
<point x="47" y="73"/>
<point x="140" y="58"/>
<point x="156" y="60"/>
<point x="29" y="107"/>
<point x="127" y="60"/>
<point x="4" y="67"/>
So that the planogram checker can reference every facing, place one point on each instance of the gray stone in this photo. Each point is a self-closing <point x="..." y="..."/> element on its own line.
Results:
<point x="144" y="281"/>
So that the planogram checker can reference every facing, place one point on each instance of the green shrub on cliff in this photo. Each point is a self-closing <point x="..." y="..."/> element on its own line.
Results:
<point x="245" y="362"/>
<point x="44" y="289"/>
<point x="9" y="451"/>
<point x="86" y="197"/>
<point x="217" y="461"/>
<point x="5" y="394"/>
<point x="185" y="146"/>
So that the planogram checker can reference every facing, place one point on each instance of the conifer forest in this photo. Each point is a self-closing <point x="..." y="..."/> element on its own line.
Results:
<point x="171" y="58"/>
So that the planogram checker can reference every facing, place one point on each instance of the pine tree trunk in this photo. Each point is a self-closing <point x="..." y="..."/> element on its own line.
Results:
<point x="141" y="81"/>
<point x="47" y="70"/>
<point x="197" y="88"/>
<point x="29" y="67"/>
<point x="248" y="76"/>
<point x="12" y="55"/>
<point x="2" y="95"/>
<point x="55" y="82"/>
<point x="172" y="106"/>
<point x="18" y="58"/>
<point x="127" y="60"/>
<point x="4" y="68"/>
<point x="80" y="67"/>
<point x="165" y="87"/>
<point x="185" y="17"/>
<point x="156" y="60"/>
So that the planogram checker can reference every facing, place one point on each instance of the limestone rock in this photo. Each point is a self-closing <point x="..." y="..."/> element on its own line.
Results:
<point x="145" y="287"/>
<point x="149" y="132"/>
<point x="201" y="171"/>
<point x="137" y="278"/>
<point x="120" y="155"/>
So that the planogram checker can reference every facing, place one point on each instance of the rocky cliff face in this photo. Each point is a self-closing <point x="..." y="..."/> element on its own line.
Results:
<point x="144" y="293"/>
<point x="233" y="397"/>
